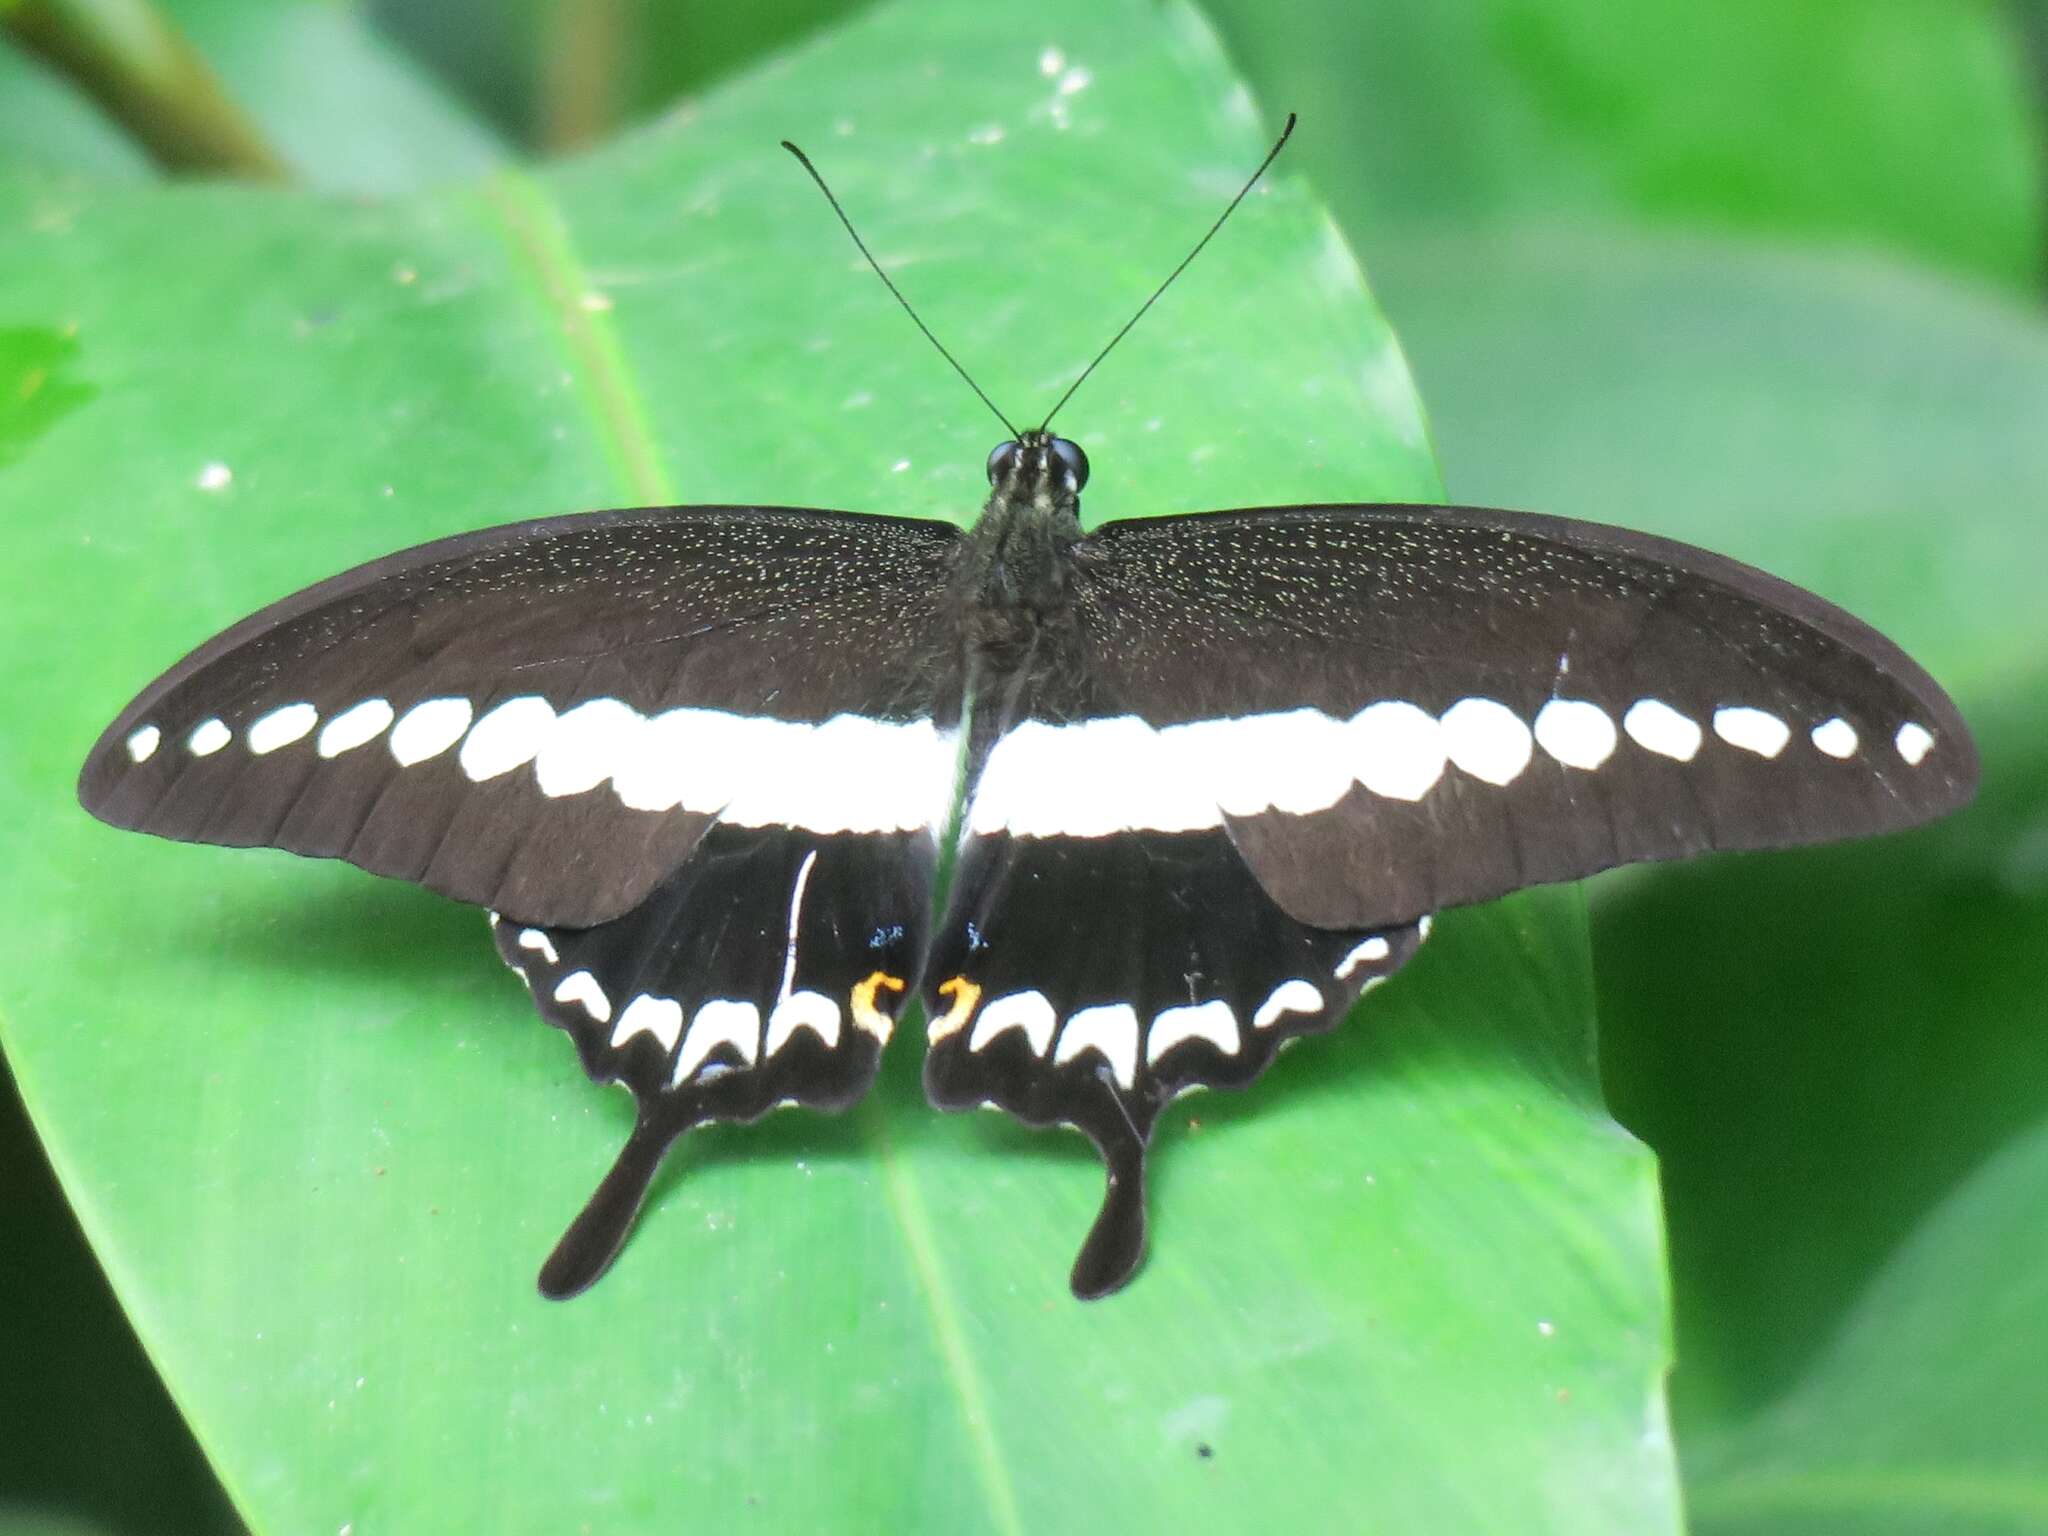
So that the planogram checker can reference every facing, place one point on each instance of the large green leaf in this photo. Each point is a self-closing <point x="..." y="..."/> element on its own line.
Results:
<point x="1841" y="1055"/>
<point x="313" y="1130"/>
<point x="1908" y="126"/>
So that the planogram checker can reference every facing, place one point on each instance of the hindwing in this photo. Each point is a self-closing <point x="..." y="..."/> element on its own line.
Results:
<point x="767" y="970"/>
<point x="1091" y="981"/>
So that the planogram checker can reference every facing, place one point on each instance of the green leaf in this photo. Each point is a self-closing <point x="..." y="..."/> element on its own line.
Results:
<point x="1837" y="1054"/>
<point x="1871" y="1361"/>
<point x="1908" y="126"/>
<point x="313" y="1129"/>
<point x="1853" y="424"/>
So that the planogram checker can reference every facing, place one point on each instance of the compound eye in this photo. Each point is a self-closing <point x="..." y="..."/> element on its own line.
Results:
<point x="1076" y="461"/>
<point x="1001" y="462"/>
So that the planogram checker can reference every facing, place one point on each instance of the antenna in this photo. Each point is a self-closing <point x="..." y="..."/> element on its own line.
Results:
<point x="805" y="161"/>
<point x="1271" y="154"/>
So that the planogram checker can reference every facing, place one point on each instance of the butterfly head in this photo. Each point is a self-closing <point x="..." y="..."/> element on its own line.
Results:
<point x="1037" y="466"/>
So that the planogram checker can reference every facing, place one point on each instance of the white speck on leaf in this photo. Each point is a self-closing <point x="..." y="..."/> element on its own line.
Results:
<point x="899" y="466"/>
<point x="1075" y="79"/>
<point x="596" y="303"/>
<point x="1051" y="62"/>
<point x="403" y="275"/>
<point x="1198" y="1418"/>
<point x="1547" y="1328"/>
<point x="215" y="476"/>
<point x="990" y="134"/>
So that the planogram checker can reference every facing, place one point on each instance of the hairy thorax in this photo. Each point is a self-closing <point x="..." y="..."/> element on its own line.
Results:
<point x="1013" y="586"/>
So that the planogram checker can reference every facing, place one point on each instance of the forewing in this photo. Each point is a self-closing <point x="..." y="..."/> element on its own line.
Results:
<point x="1397" y="709"/>
<point x="545" y="718"/>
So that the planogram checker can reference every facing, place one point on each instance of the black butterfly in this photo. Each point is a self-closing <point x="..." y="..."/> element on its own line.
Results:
<point x="1208" y="775"/>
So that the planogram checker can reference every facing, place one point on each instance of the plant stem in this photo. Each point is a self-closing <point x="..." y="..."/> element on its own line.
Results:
<point x="128" y="57"/>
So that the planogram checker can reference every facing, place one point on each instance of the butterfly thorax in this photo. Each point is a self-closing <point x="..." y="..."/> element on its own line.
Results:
<point x="1013" y="578"/>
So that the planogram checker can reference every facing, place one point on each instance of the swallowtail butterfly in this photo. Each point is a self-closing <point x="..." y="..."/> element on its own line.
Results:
<point x="1206" y="776"/>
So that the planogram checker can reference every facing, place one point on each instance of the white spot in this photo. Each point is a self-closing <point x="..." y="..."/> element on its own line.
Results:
<point x="1836" y="737"/>
<point x="886" y="776"/>
<point x="586" y="745"/>
<point x="215" y="476"/>
<point x="1111" y="1030"/>
<point x="534" y="939"/>
<point x="802" y="1010"/>
<point x="1399" y="749"/>
<point x="1094" y="778"/>
<point x="1075" y="80"/>
<point x="1656" y="727"/>
<point x="722" y="1021"/>
<point x="1028" y="1011"/>
<point x="1576" y="733"/>
<point x="1423" y="925"/>
<point x="1913" y="742"/>
<point x="899" y="466"/>
<point x="1296" y="760"/>
<point x="1547" y="1328"/>
<point x="1753" y="730"/>
<point x="352" y="727"/>
<point x="661" y="1017"/>
<point x="595" y="303"/>
<point x="581" y="987"/>
<point x="1487" y="740"/>
<point x="1089" y="779"/>
<point x="507" y="737"/>
<point x="1295" y="996"/>
<point x="281" y="727"/>
<point x="1212" y="1021"/>
<point x="207" y="738"/>
<point x="142" y="744"/>
<point x="1051" y="62"/>
<point x="992" y="133"/>
<point x="429" y="729"/>
<point x="1371" y="952"/>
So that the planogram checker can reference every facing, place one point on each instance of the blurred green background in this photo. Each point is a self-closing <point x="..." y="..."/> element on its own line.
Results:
<point x="1763" y="274"/>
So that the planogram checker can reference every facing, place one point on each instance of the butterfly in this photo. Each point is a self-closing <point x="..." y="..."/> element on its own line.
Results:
<point x="1198" y="781"/>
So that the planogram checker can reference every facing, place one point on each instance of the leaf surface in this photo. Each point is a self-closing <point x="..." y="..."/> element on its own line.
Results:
<point x="315" y="1133"/>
